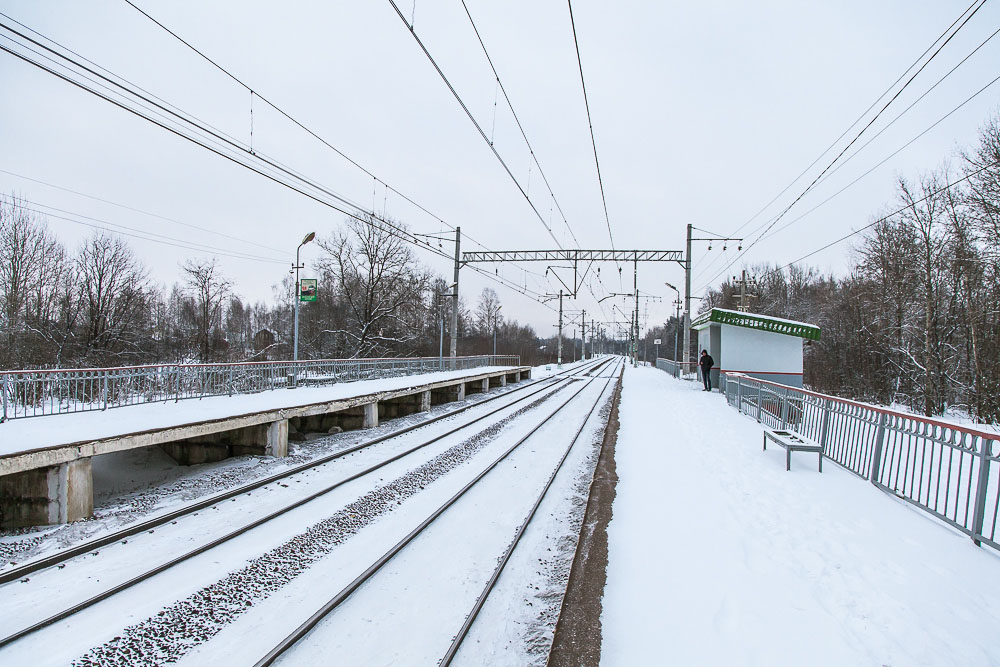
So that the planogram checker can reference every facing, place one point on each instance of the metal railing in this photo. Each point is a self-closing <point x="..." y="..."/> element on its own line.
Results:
<point x="677" y="369"/>
<point x="34" y="393"/>
<point x="947" y="470"/>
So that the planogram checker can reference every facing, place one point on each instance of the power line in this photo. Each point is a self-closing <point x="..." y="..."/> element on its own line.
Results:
<point x="889" y="157"/>
<point x="885" y="218"/>
<point x="472" y="118"/>
<point x="137" y="210"/>
<point x="517" y="120"/>
<point x="133" y="232"/>
<point x="856" y="137"/>
<point x="255" y="93"/>
<point x="371" y="219"/>
<point x="858" y="119"/>
<point x="590" y="124"/>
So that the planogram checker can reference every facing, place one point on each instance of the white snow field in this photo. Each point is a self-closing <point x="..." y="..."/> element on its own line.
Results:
<point x="718" y="556"/>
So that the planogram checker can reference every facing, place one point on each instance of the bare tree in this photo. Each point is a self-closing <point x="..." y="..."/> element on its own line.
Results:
<point x="112" y="292"/>
<point x="378" y="280"/>
<point x="488" y="312"/>
<point x="208" y="291"/>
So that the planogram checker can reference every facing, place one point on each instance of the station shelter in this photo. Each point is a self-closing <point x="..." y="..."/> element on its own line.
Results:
<point x="764" y="347"/>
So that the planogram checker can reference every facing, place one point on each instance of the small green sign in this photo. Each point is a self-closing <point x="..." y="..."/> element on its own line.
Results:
<point x="307" y="289"/>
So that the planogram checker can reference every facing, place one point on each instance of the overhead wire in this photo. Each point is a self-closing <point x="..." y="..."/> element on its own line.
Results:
<point x="116" y="228"/>
<point x="886" y="217"/>
<point x="140" y="211"/>
<point x="305" y="187"/>
<point x="858" y="119"/>
<point x="475" y="123"/>
<point x="517" y="120"/>
<point x="851" y="143"/>
<point x="255" y="92"/>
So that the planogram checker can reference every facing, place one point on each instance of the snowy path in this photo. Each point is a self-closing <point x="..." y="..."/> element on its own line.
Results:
<point x="718" y="556"/>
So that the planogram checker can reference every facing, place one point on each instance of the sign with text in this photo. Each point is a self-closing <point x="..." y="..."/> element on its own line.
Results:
<point x="657" y="341"/>
<point x="307" y="289"/>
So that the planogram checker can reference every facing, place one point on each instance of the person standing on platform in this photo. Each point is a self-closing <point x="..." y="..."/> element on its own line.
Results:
<point x="706" y="362"/>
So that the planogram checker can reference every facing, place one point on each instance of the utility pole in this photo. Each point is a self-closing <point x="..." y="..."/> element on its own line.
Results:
<point x="583" y="335"/>
<point x="685" y="349"/>
<point x="635" y="336"/>
<point x="592" y="350"/>
<point x="559" y="357"/>
<point x="744" y="305"/>
<point x="454" y="304"/>
<point x="677" y="326"/>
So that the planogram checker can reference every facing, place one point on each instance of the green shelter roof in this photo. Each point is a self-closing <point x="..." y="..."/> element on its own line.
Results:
<point x="755" y="321"/>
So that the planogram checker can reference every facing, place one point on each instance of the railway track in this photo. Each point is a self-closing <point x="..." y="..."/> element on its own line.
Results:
<point x="303" y="630"/>
<point x="545" y="388"/>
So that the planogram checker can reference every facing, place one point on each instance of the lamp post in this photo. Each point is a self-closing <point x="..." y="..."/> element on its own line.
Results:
<point x="295" y="336"/>
<point x="678" y="324"/>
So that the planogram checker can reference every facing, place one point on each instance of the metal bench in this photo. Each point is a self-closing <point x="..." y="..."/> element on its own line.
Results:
<point x="793" y="442"/>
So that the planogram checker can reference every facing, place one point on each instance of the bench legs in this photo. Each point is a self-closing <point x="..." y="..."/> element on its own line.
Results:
<point x="788" y="455"/>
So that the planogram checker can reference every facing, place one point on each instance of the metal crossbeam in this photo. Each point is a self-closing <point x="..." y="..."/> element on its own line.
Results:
<point x="575" y="256"/>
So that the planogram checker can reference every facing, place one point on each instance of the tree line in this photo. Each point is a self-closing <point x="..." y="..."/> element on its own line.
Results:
<point x="916" y="319"/>
<point x="96" y="305"/>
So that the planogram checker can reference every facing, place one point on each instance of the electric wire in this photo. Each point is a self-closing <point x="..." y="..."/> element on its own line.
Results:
<point x="364" y="216"/>
<point x="857" y="120"/>
<point x="590" y="124"/>
<point x="255" y="92"/>
<point x="851" y="143"/>
<point x="140" y="211"/>
<point x="475" y="123"/>
<point x="517" y="120"/>
<point x="133" y="233"/>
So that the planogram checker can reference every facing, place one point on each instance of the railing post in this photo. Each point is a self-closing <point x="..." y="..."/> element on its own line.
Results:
<point x="177" y="383"/>
<point x="759" y="404"/>
<point x="6" y="384"/>
<point x="825" y="428"/>
<point x="979" y="511"/>
<point x="784" y="410"/>
<point x="877" y="454"/>
<point x="105" y="389"/>
<point x="739" y="394"/>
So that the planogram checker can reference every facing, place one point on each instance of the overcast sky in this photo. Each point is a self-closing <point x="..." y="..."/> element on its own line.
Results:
<point x="702" y="111"/>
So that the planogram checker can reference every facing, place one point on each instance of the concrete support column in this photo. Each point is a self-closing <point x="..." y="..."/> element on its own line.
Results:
<point x="277" y="439"/>
<point x="425" y="401"/>
<point x="460" y="392"/>
<point x="503" y="380"/>
<point x="57" y="494"/>
<point x="486" y="385"/>
<point x="371" y="415"/>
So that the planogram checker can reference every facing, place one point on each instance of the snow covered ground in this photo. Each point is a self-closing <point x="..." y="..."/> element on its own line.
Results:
<point x="718" y="556"/>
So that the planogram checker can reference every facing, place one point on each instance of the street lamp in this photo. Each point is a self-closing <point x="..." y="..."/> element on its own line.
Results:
<point x="678" y="324"/>
<point x="298" y="265"/>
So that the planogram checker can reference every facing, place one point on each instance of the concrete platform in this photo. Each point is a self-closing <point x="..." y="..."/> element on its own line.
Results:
<point x="45" y="462"/>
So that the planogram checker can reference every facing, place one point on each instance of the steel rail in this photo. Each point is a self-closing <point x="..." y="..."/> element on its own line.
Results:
<point x="70" y="611"/>
<point x="96" y="543"/>
<point x="345" y="593"/>
<point x="481" y="600"/>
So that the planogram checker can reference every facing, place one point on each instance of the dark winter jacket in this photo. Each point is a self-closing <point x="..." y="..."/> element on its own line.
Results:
<point x="706" y="363"/>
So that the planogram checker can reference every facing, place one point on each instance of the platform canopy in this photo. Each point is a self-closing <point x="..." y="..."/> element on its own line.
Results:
<point x="755" y="321"/>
